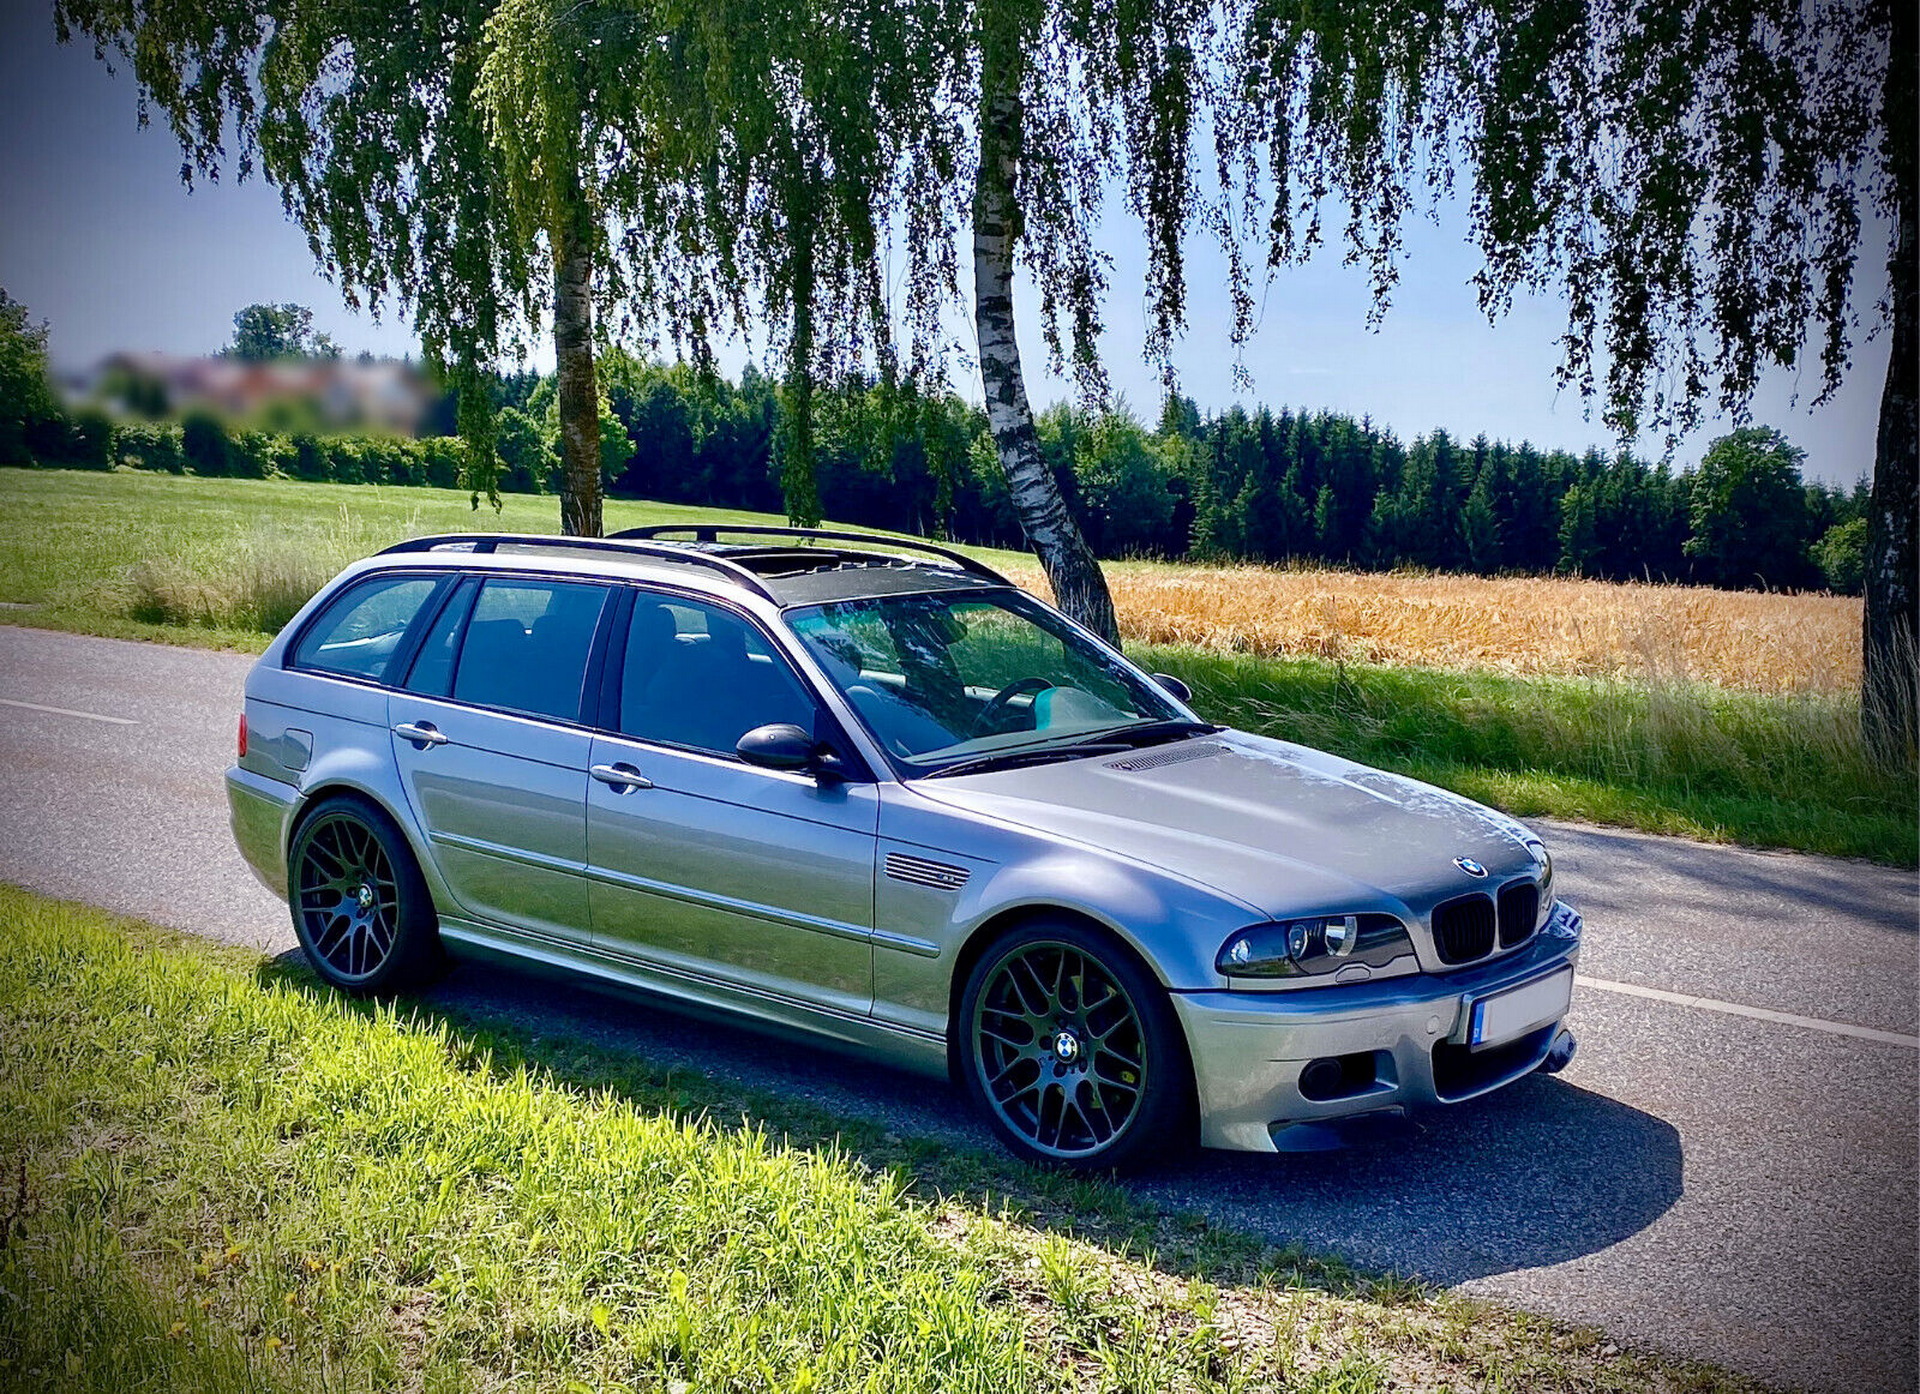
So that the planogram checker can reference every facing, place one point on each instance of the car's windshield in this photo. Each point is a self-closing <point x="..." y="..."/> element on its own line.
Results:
<point x="940" y="678"/>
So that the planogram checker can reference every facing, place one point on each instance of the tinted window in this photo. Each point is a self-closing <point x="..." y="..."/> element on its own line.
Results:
<point x="360" y="631"/>
<point x="525" y="648"/>
<point x="433" y="667"/>
<point x="700" y="676"/>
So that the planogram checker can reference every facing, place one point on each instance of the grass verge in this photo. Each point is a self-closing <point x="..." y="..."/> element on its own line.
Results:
<point x="225" y="562"/>
<point x="1692" y="759"/>
<point x="222" y="1178"/>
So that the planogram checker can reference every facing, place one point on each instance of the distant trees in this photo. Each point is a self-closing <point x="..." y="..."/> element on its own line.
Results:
<point x="1265" y="486"/>
<point x="26" y="397"/>
<point x="1275" y="487"/>
<point x="33" y="424"/>
<point x="266" y="333"/>
<point x="1841" y="554"/>
<point x="1749" y="513"/>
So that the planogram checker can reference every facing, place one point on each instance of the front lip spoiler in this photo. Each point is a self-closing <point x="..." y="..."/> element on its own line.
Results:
<point x="1559" y="1054"/>
<point x="1377" y="1126"/>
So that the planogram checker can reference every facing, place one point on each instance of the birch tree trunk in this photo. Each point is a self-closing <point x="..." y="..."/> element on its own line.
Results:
<point x="1890" y="646"/>
<point x="1079" y="588"/>
<point x="578" y="397"/>
<point x="798" y="483"/>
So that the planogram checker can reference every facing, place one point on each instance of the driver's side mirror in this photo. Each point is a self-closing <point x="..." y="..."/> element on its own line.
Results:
<point x="785" y="746"/>
<point x="1178" y="690"/>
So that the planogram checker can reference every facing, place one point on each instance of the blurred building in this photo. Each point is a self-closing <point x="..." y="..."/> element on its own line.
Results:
<point x="385" y="394"/>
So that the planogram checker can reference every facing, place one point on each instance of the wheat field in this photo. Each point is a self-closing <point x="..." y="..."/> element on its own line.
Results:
<point x="1747" y="640"/>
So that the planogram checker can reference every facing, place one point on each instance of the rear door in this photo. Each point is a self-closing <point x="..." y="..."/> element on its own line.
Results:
<point x="704" y="865"/>
<point x="493" y="751"/>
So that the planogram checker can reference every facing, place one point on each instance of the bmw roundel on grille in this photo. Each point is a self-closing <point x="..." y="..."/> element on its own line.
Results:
<point x="1470" y="866"/>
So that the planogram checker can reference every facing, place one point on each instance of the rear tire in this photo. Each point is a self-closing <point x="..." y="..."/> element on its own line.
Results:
<point x="360" y="906"/>
<point x="1072" y="1051"/>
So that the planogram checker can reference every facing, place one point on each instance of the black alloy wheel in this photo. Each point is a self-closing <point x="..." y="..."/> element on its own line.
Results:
<point x="360" y="907"/>
<point x="1074" y="1052"/>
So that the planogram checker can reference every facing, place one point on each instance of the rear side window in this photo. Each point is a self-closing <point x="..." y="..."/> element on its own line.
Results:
<point x="360" y="631"/>
<point x="432" y="672"/>
<point x="525" y="648"/>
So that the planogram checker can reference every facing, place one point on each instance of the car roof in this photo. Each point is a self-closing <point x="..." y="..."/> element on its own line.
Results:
<point x="785" y="566"/>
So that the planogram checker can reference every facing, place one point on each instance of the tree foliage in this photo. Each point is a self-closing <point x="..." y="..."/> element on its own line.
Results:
<point x="364" y="118"/>
<point x="1749" y="512"/>
<point x="26" y="397"/>
<point x="1693" y="178"/>
<point x="1841" y="555"/>
<point x="266" y="333"/>
<point x="1690" y="177"/>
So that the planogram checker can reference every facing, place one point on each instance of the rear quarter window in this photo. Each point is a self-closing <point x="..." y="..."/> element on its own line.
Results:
<point x="358" y="634"/>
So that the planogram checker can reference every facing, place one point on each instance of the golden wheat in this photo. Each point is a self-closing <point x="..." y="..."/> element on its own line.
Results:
<point x="1759" y="642"/>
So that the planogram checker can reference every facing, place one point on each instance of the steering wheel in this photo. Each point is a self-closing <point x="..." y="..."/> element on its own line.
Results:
<point x="996" y="705"/>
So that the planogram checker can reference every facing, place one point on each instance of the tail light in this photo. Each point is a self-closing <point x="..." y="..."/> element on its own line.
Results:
<point x="243" y="735"/>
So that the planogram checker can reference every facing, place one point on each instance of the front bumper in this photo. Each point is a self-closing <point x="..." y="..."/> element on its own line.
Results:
<point x="258" y="809"/>
<point x="1249" y="1048"/>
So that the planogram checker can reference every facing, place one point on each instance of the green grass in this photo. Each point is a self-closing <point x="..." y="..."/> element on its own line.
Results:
<point x="219" y="1177"/>
<point x="1693" y="759"/>
<point x="225" y="563"/>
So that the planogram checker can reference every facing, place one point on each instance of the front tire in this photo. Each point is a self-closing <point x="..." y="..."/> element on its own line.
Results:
<point x="361" y="908"/>
<point x="1073" y="1052"/>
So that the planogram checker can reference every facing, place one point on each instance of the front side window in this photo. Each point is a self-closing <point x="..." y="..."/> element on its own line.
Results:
<point x="525" y="647"/>
<point x="942" y="677"/>
<point x="359" y="632"/>
<point x="700" y="676"/>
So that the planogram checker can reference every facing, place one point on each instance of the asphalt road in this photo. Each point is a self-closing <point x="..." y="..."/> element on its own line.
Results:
<point x="1731" y="1179"/>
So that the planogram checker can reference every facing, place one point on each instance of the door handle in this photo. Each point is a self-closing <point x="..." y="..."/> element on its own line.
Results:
<point x="422" y="733"/>
<point x="622" y="778"/>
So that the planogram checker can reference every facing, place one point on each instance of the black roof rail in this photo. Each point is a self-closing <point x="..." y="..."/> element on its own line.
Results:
<point x="709" y="532"/>
<point x="484" y="542"/>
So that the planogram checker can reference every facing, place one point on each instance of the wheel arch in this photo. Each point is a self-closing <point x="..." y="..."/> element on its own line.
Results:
<point x="415" y="954"/>
<point x="991" y="929"/>
<point x="333" y="788"/>
<point x="345" y="786"/>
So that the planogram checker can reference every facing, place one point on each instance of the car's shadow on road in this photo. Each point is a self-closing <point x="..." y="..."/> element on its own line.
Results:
<point x="1537" y="1174"/>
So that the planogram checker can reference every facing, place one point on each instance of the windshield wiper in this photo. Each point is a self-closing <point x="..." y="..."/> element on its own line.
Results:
<point x="1027" y="755"/>
<point x="1110" y="741"/>
<point x="1146" y="733"/>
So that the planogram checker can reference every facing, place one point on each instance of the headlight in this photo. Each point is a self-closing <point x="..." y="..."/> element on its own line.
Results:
<point x="1545" y="860"/>
<point x="1300" y="948"/>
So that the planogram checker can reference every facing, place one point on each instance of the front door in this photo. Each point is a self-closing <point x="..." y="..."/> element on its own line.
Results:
<point x="493" y="753"/>
<point x="704" y="866"/>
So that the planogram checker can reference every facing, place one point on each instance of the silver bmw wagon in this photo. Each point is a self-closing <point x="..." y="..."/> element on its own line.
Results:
<point x="866" y="789"/>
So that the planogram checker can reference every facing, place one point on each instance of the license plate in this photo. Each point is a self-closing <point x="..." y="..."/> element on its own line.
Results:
<point x="1515" y="1012"/>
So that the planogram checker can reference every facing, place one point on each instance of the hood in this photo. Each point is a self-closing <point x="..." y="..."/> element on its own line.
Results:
<point x="1284" y="828"/>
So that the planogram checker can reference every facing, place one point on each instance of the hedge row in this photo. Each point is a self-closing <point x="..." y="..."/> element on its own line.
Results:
<point x="80" y="440"/>
<point x="204" y="445"/>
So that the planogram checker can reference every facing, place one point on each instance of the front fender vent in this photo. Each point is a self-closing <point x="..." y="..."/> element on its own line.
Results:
<point x="1169" y="755"/>
<point x="921" y="872"/>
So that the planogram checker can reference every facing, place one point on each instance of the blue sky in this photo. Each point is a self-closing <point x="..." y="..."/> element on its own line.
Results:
<point x="99" y="238"/>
